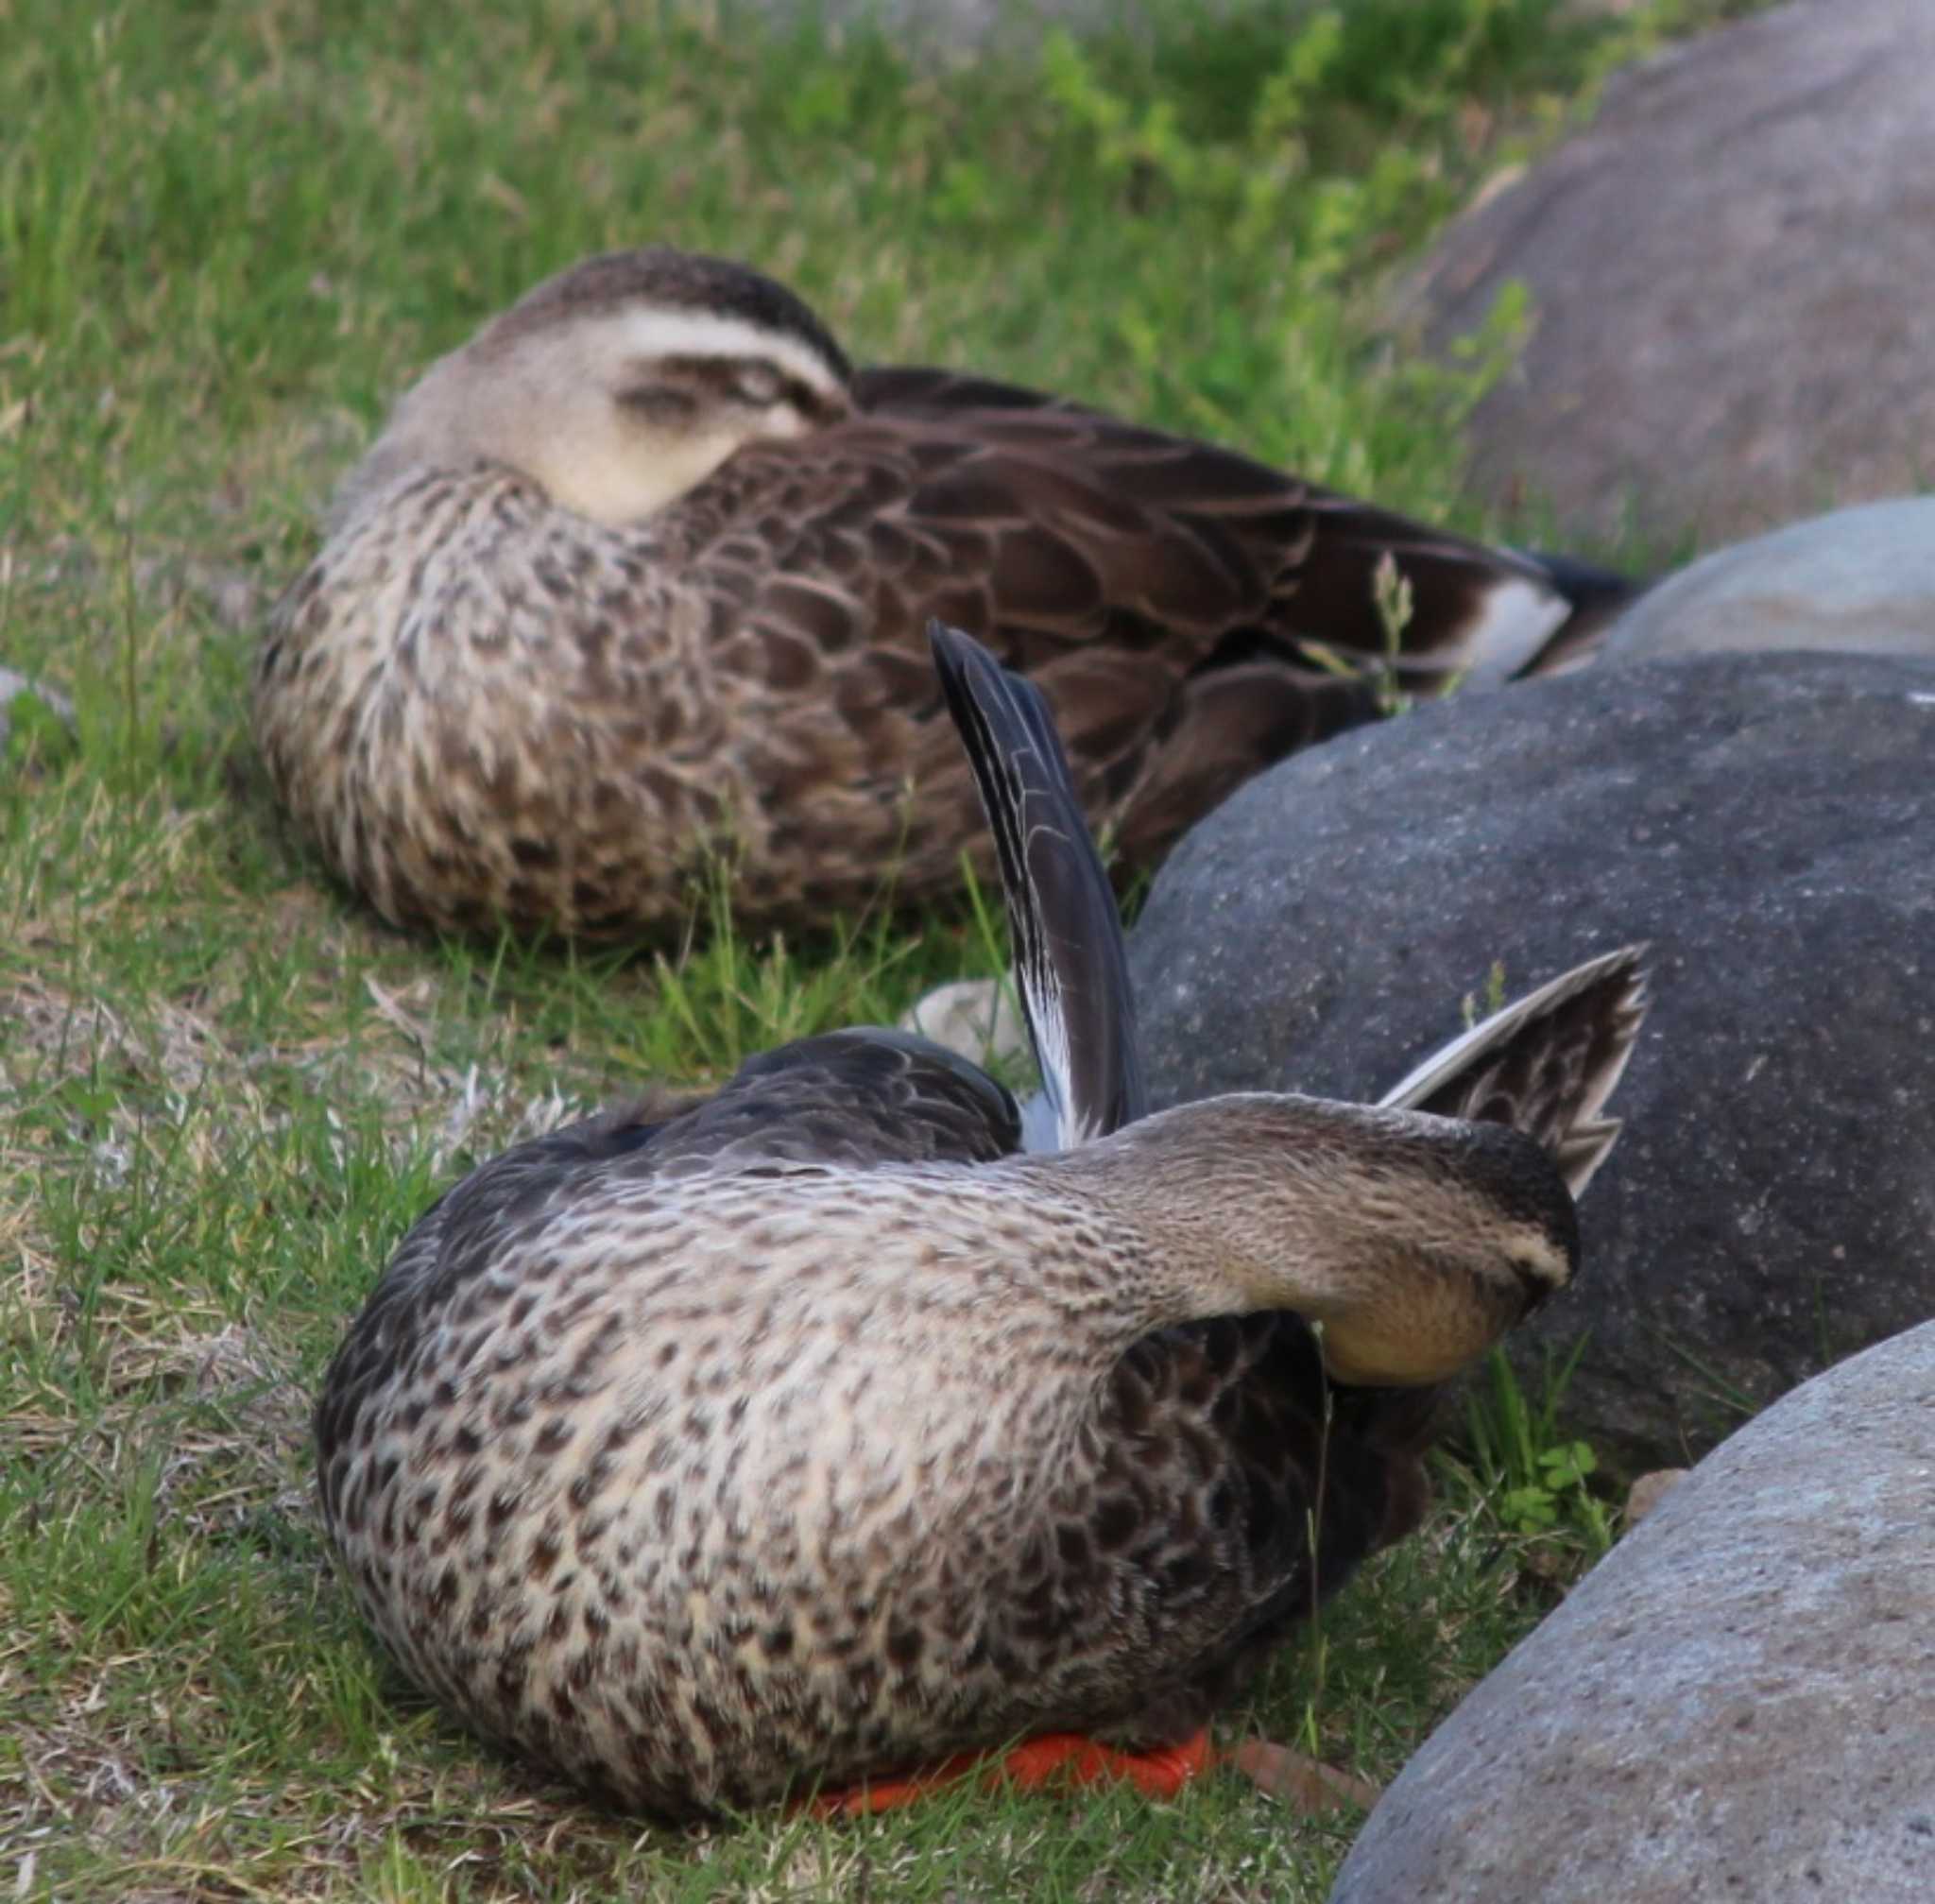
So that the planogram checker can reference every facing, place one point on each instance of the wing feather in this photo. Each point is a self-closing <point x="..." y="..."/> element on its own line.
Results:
<point x="1545" y="1064"/>
<point x="1071" y="962"/>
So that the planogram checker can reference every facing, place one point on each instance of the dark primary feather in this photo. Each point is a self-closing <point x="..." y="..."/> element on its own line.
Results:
<point x="1071" y="962"/>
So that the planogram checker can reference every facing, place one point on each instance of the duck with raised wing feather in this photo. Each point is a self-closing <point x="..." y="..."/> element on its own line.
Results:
<point x="633" y="585"/>
<point x="813" y="1433"/>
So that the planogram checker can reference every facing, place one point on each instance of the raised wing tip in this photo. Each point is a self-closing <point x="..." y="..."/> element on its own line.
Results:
<point x="1628" y="998"/>
<point x="1621" y="972"/>
<point x="1582" y="1149"/>
<point x="1547" y="1062"/>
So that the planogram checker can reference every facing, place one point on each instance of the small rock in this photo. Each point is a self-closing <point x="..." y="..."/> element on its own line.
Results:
<point x="1650" y="1490"/>
<point x="1729" y="276"/>
<point x="1763" y="821"/>
<point x="1738" y="1702"/>
<point x="974" y="1017"/>
<point x="1858" y="581"/>
<point x="13" y="685"/>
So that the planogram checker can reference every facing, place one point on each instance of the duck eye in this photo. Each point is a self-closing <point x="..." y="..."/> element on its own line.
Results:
<point x="758" y="383"/>
<point x="658" y="404"/>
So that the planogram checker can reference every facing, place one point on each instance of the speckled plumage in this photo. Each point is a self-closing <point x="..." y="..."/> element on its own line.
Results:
<point x="813" y="1431"/>
<point x="588" y="616"/>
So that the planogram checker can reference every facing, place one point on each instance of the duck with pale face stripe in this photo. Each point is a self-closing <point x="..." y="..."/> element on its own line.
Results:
<point x="634" y="582"/>
<point x="813" y="1433"/>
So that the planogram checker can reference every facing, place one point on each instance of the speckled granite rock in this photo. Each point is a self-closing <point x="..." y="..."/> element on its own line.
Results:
<point x="1738" y="1702"/>
<point x="1766" y="822"/>
<point x="1856" y="581"/>
<point x="1729" y="272"/>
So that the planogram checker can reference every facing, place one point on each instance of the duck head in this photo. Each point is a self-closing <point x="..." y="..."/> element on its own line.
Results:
<point x="619" y="385"/>
<point x="1413" y="1243"/>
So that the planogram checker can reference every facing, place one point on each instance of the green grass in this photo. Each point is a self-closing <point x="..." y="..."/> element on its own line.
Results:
<point x="227" y="234"/>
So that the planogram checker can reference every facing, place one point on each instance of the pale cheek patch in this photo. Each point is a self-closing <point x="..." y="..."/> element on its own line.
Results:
<point x="618" y="483"/>
<point x="1548" y="1266"/>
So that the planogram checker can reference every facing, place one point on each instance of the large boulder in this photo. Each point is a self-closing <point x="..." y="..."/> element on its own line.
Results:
<point x="1857" y="580"/>
<point x="1766" y="822"/>
<point x="1737" y="1703"/>
<point x="1729" y="273"/>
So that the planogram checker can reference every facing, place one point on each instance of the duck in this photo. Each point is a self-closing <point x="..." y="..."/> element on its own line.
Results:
<point x="626" y="603"/>
<point x="810" y="1434"/>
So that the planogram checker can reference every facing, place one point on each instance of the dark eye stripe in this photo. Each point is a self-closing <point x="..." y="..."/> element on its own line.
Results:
<point x="727" y="380"/>
<point x="659" y="403"/>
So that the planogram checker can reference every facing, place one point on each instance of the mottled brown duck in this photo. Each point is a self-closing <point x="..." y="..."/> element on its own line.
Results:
<point x="813" y="1433"/>
<point x="633" y="586"/>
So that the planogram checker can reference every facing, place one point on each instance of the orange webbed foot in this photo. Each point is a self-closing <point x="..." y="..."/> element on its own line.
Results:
<point x="891" y="1794"/>
<point x="1078" y="1760"/>
<point x="1067" y="1757"/>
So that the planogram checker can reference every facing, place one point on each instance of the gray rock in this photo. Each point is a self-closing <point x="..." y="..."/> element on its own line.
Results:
<point x="1647" y="1493"/>
<point x="1738" y="1702"/>
<point x="1730" y="274"/>
<point x="1766" y="824"/>
<point x="12" y="685"/>
<point x="977" y="1018"/>
<point x="1858" y="581"/>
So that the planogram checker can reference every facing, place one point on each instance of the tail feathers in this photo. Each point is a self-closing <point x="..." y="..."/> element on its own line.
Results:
<point x="1071" y="962"/>
<point x="1595" y="599"/>
<point x="1475" y="612"/>
<point x="1589" y="587"/>
<point x="1545" y="1064"/>
<point x="1504" y="613"/>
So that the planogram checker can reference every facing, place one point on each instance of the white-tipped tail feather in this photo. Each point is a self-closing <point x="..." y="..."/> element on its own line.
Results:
<point x="1519" y="617"/>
